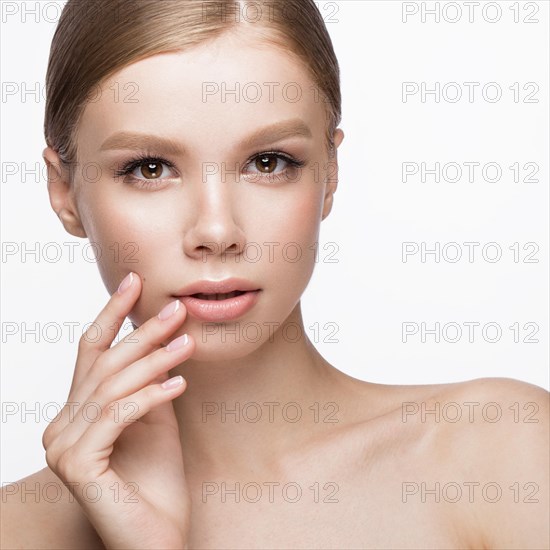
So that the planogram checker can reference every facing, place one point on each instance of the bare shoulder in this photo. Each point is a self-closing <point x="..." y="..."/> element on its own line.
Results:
<point x="499" y="415"/>
<point x="39" y="512"/>
<point x="462" y="465"/>
<point x="490" y="443"/>
<point x="478" y="403"/>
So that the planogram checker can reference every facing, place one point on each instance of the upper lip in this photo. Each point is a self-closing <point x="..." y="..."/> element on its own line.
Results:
<point x="217" y="287"/>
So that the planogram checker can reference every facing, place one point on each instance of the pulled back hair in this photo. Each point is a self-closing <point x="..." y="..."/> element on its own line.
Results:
<point x="96" y="38"/>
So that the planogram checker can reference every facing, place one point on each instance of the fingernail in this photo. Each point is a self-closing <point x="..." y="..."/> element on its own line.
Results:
<point x="126" y="283"/>
<point x="178" y="343"/>
<point x="169" y="310"/>
<point x="172" y="383"/>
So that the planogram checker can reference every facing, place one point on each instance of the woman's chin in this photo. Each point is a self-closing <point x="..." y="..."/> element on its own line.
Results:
<point x="216" y="350"/>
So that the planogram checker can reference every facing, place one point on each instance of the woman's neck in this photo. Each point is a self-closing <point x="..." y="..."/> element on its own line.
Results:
<point x="256" y="409"/>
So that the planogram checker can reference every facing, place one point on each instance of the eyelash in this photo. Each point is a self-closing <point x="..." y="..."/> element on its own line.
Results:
<point x="140" y="160"/>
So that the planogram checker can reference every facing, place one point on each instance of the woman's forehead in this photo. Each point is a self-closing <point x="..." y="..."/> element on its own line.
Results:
<point x="204" y="90"/>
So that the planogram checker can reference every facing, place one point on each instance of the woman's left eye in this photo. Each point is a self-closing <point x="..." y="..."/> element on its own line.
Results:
<point x="266" y="165"/>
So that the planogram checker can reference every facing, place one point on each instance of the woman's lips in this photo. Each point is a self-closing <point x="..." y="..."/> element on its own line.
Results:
<point x="220" y="310"/>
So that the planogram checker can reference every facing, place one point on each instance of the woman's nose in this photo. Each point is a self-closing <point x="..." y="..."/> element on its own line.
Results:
<point x="215" y="229"/>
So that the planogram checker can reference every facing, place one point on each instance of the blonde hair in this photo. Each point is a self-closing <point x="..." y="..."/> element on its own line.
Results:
<point x="96" y="38"/>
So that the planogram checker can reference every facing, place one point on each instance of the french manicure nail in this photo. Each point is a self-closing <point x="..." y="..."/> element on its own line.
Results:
<point x="169" y="310"/>
<point x="178" y="343"/>
<point x="126" y="283"/>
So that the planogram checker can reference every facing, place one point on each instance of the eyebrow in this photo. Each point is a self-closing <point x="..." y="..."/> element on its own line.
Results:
<point x="272" y="133"/>
<point x="276" y="132"/>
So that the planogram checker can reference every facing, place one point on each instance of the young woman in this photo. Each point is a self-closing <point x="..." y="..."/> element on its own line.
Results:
<point x="221" y="142"/>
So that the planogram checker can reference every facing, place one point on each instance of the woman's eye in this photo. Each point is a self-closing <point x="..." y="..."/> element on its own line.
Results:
<point x="266" y="164"/>
<point x="151" y="171"/>
<point x="146" y="172"/>
<point x="273" y="166"/>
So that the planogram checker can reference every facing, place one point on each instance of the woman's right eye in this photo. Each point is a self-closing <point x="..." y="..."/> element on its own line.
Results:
<point x="146" y="172"/>
<point x="150" y="170"/>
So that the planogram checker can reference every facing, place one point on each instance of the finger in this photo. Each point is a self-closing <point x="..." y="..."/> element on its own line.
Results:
<point x="144" y="371"/>
<point x="133" y="347"/>
<point x="140" y="343"/>
<point x="96" y="443"/>
<point x="97" y="338"/>
<point x="151" y="369"/>
<point x="100" y="334"/>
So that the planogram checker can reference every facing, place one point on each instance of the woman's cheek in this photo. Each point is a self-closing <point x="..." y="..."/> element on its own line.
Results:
<point x="298" y="243"/>
<point x="120" y="247"/>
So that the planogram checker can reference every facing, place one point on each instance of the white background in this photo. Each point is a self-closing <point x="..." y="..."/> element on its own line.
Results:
<point x="369" y="291"/>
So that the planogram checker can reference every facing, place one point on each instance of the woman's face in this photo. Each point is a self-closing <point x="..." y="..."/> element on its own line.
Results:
<point x="213" y="204"/>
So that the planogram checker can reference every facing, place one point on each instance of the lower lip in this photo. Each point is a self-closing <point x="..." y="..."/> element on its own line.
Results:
<point x="220" y="310"/>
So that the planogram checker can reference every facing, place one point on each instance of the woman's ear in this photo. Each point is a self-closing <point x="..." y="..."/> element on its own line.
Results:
<point x="61" y="194"/>
<point x="331" y="180"/>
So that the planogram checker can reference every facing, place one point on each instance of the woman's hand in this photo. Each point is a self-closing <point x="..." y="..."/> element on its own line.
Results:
<point x="115" y="444"/>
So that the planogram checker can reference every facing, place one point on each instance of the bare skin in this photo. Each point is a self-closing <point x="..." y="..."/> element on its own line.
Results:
<point x="369" y="459"/>
<point x="359" y="450"/>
